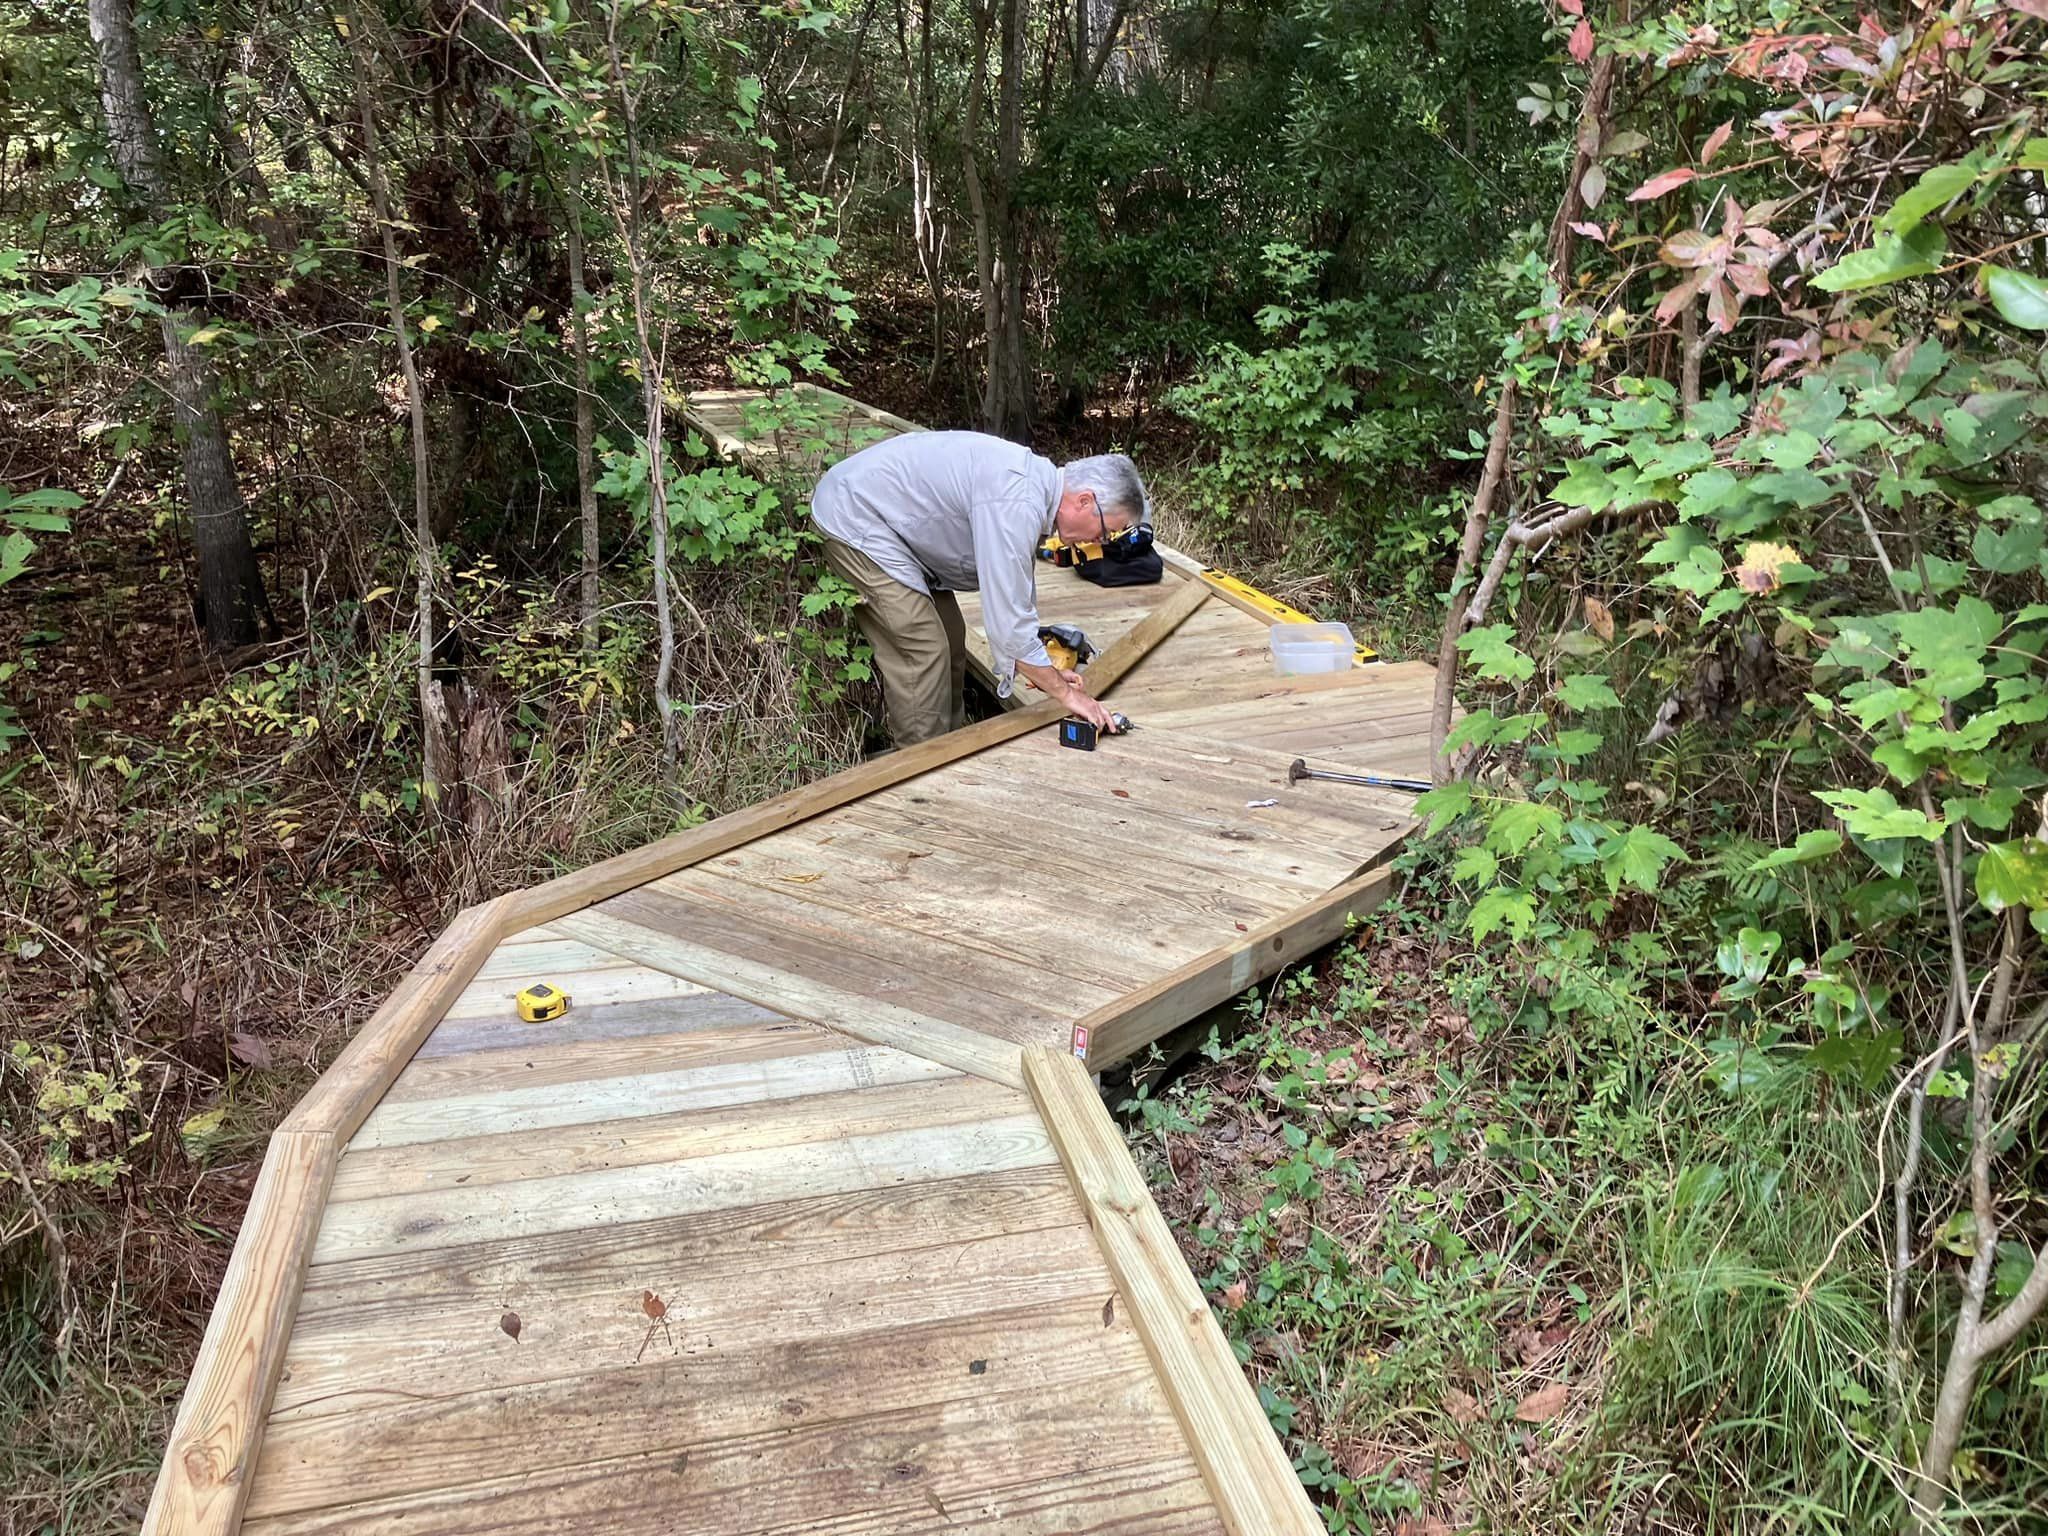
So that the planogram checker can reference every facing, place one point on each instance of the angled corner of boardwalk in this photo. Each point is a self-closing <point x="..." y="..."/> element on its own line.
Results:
<point x="807" y="1217"/>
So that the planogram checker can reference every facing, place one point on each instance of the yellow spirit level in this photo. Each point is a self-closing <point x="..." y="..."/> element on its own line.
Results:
<point x="1276" y="611"/>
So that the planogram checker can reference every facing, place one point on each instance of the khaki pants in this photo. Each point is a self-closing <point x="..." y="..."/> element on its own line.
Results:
<point x="920" y="646"/>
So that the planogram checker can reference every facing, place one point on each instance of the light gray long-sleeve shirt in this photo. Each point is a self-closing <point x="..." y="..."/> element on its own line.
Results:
<point x="952" y="512"/>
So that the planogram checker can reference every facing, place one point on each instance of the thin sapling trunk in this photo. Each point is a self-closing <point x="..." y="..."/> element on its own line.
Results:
<point x="435" y="729"/>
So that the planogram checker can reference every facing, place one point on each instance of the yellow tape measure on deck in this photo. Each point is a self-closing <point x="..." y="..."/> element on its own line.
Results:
<point x="541" y="1002"/>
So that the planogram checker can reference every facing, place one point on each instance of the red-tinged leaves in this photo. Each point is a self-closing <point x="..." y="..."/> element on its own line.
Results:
<point x="1581" y="45"/>
<point x="510" y="1324"/>
<point x="1715" y="141"/>
<point x="1691" y="249"/>
<point x="1674" y="302"/>
<point x="1593" y="186"/>
<point x="1572" y="7"/>
<point x="1841" y="58"/>
<point x="1590" y="230"/>
<point x="1722" y="307"/>
<point x="653" y="1306"/>
<point x="1541" y="1406"/>
<point x="1664" y="181"/>
<point x="1234" y="1294"/>
<point x="1802" y="354"/>
<point x="1752" y="280"/>
<point x="2038" y="9"/>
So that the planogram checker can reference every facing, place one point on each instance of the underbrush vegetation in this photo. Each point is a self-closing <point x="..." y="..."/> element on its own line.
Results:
<point x="1485" y="1278"/>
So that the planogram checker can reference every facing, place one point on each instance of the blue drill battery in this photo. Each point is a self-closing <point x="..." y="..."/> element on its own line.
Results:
<point x="1080" y="734"/>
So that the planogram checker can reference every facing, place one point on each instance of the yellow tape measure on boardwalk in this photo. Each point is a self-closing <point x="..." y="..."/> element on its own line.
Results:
<point x="541" y="1002"/>
<point x="1266" y="603"/>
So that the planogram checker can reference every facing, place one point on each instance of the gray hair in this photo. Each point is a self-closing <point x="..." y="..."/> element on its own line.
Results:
<point x="1114" y="480"/>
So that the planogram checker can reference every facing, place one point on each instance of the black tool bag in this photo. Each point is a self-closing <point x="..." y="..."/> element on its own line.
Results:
<point x="1140" y="570"/>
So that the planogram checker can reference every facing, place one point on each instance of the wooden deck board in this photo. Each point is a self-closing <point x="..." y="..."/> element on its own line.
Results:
<point x="900" y="1294"/>
<point x="888" y="1467"/>
<point x="1104" y="614"/>
<point x="370" y="1350"/>
<point x="723" y="1246"/>
<point x="604" y="1196"/>
<point x="444" y="1166"/>
<point x="694" y="1394"/>
<point x="746" y="1032"/>
<point x="506" y="1111"/>
<point x="832" y="954"/>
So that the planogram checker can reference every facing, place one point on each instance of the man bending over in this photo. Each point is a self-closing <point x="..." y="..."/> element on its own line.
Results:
<point x="913" y="519"/>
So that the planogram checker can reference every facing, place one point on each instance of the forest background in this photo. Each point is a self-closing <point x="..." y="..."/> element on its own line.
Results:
<point x="1668" y="1158"/>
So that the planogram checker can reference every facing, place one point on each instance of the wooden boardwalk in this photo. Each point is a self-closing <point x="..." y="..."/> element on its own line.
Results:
<point x="807" y="1218"/>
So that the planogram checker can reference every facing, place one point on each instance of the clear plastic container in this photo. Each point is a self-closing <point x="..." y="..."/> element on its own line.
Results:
<point x="1301" y="649"/>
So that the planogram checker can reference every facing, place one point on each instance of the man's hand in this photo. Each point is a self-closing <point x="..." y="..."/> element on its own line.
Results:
<point x="1067" y="687"/>
<point x="1083" y="704"/>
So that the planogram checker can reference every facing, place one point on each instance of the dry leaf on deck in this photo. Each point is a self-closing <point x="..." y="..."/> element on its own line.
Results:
<point x="653" y="1305"/>
<point x="510" y="1323"/>
<point x="804" y="879"/>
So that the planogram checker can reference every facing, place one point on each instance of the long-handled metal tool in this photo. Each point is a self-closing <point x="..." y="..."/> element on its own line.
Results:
<point x="1299" y="770"/>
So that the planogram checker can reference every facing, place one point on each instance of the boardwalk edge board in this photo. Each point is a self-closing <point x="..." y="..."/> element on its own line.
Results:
<point x="211" y="1458"/>
<point x="1249" y="1475"/>
<point x="1123" y="1028"/>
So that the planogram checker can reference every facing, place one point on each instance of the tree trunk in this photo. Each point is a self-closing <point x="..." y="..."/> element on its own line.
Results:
<point x="625" y="207"/>
<point x="978" y="204"/>
<point x="436" y="731"/>
<point x="1465" y="609"/>
<point x="1477" y="521"/>
<point x="1006" y="408"/>
<point x="1096" y="24"/>
<point x="1592" y="128"/>
<point x="586" y="423"/>
<point x="1006" y="392"/>
<point x="924" y="232"/>
<point x="230" y="585"/>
